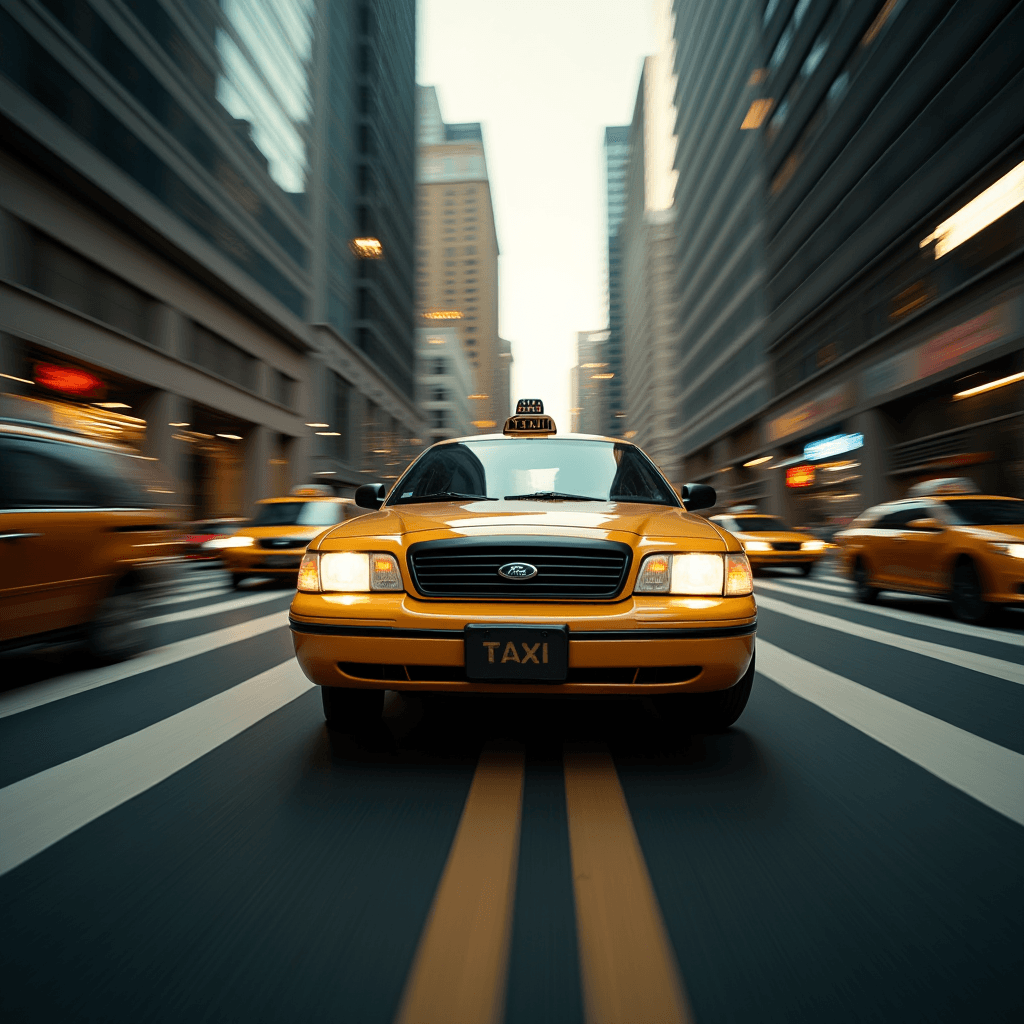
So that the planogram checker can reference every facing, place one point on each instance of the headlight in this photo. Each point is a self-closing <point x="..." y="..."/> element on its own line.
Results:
<point x="695" y="574"/>
<point x="756" y="545"/>
<point x="349" y="572"/>
<point x="1013" y="550"/>
<point x="219" y="543"/>
<point x="813" y="545"/>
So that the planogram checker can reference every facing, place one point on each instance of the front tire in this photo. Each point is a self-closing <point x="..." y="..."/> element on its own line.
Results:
<point x="862" y="589"/>
<point x="352" y="711"/>
<point x="114" y="635"/>
<point x="708" y="712"/>
<point x="806" y="568"/>
<point x="968" y="596"/>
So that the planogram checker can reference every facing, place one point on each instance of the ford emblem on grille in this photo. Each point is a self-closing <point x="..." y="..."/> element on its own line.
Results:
<point x="518" y="571"/>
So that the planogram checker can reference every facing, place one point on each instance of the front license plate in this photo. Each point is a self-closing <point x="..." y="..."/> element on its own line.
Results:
<point x="523" y="653"/>
<point x="282" y="562"/>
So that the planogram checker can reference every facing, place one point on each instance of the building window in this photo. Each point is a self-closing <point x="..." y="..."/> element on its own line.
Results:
<point x="284" y="389"/>
<point x="219" y="356"/>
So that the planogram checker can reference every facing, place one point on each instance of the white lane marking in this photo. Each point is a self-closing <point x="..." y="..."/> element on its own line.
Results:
<point x="989" y="773"/>
<point x="962" y="628"/>
<point x="213" y="609"/>
<point x="35" y="695"/>
<point x="842" y="588"/>
<point x="220" y="580"/>
<point x="203" y="595"/>
<point x="45" y="808"/>
<point x="949" y="655"/>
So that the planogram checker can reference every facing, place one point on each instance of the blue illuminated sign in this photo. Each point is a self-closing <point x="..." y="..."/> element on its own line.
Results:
<point x="838" y="444"/>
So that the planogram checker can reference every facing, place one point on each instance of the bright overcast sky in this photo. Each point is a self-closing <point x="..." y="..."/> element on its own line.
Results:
<point x="544" y="77"/>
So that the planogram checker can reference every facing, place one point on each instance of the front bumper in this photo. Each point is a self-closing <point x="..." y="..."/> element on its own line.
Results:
<point x="636" y="646"/>
<point x="256" y="561"/>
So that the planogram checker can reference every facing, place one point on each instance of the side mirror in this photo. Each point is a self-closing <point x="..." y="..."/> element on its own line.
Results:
<point x="927" y="524"/>
<point x="370" y="495"/>
<point x="697" y="496"/>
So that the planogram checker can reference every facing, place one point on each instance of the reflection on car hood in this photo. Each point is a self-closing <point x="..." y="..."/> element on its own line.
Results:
<point x="504" y="518"/>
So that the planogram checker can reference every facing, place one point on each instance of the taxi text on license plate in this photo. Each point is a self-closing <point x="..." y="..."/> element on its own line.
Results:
<point x="523" y="653"/>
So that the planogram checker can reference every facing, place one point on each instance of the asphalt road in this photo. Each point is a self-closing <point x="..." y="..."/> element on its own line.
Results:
<point x="182" y="840"/>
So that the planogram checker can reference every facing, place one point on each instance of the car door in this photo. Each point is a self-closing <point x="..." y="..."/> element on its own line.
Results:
<point x="44" y="533"/>
<point x="909" y="551"/>
<point x="923" y="550"/>
<point x="886" y="550"/>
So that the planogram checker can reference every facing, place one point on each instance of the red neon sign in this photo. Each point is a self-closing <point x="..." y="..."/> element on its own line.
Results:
<point x="799" y="476"/>
<point x="68" y="380"/>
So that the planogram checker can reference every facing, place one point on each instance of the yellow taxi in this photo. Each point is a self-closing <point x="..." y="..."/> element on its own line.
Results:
<point x="529" y="563"/>
<point x="943" y="539"/>
<point x="768" y="541"/>
<point x="83" y="539"/>
<point x="273" y="542"/>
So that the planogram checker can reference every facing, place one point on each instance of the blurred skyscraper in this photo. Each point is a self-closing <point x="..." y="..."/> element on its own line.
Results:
<point x="647" y="244"/>
<point x="616" y="157"/>
<point x="590" y="383"/>
<point x="457" y="250"/>
<point x="444" y="382"/>
<point x="170" y="176"/>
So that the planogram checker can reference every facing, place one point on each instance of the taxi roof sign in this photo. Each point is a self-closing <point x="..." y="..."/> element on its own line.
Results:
<point x="943" y="485"/>
<point x="529" y="420"/>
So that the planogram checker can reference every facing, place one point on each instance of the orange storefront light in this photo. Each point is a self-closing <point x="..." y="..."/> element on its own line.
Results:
<point x="799" y="476"/>
<point x="68" y="380"/>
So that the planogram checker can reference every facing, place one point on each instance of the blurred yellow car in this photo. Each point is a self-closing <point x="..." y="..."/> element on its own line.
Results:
<point x="768" y="541"/>
<point x="529" y="563"/>
<point x="273" y="542"/>
<point x="943" y="540"/>
<point x="83" y="542"/>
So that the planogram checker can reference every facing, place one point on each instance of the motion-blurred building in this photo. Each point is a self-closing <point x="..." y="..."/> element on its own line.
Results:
<point x="457" y="249"/>
<point x="718" y="286"/>
<point x="444" y="380"/>
<point x="590" y="383"/>
<point x="616" y="157"/>
<point x="179" y="185"/>
<point x="884" y="275"/>
<point x="503" y="377"/>
<point x="648" y="249"/>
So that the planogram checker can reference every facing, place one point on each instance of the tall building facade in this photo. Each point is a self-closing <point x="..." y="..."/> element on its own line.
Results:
<point x="616" y="159"/>
<point x="894" y="155"/>
<point x="457" y="250"/>
<point x="590" y="383"/>
<point x="444" y="381"/>
<point x="647" y="245"/>
<point x="720" y="379"/>
<point x="161" y="176"/>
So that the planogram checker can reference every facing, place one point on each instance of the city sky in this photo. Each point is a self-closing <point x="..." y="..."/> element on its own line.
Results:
<point x="544" y="77"/>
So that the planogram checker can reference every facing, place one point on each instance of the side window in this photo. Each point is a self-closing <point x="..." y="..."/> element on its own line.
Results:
<point x="35" y="477"/>
<point x="899" y="517"/>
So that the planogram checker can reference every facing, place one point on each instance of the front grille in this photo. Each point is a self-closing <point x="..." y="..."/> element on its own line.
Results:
<point x="787" y="545"/>
<point x="283" y="543"/>
<point x="566" y="569"/>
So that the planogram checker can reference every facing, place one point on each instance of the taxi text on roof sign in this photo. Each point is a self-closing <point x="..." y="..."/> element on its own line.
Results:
<point x="529" y="419"/>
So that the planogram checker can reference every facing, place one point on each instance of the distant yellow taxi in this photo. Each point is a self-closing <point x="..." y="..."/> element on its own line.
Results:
<point x="274" y="541"/>
<point x="945" y="540"/>
<point x="530" y="563"/>
<point x="768" y="541"/>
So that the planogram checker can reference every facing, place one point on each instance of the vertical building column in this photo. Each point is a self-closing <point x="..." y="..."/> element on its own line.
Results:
<point x="876" y="485"/>
<point x="256" y="478"/>
<point x="160" y="410"/>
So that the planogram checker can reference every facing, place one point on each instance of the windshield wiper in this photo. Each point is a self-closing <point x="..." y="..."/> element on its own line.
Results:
<point x="443" y="496"/>
<point x="551" y="496"/>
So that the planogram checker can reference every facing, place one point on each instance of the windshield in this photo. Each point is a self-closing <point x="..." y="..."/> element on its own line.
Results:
<point x="987" y="512"/>
<point x="543" y="469"/>
<point x="759" y="524"/>
<point x="298" y="513"/>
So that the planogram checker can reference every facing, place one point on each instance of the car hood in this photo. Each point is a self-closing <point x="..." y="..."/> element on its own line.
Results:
<point x="596" y="520"/>
<point x="999" y="533"/>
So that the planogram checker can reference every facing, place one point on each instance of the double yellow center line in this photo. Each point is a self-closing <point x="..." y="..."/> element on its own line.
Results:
<point x="628" y="971"/>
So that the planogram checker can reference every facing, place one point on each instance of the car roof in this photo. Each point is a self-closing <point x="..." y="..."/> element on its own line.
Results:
<point x="305" y="498"/>
<point x="38" y="431"/>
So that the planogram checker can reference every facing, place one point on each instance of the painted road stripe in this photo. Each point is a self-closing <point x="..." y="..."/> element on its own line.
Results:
<point x="1013" y="673"/>
<point x="202" y="595"/>
<point x="35" y="695"/>
<point x="628" y="969"/>
<point x="213" y="609"/>
<point x="963" y="629"/>
<point x="839" y="588"/>
<point x="45" y="808"/>
<point x="460" y="969"/>
<point x="989" y="773"/>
